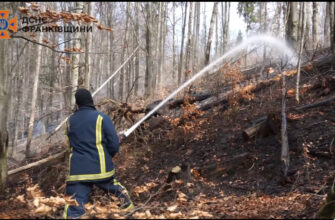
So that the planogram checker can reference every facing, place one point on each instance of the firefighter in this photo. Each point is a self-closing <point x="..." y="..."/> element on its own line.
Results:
<point x="93" y="143"/>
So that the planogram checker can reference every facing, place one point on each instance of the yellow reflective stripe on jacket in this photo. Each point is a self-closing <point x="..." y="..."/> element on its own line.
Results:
<point x="99" y="144"/>
<point x="65" y="211"/>
<point x="90" y="176"/>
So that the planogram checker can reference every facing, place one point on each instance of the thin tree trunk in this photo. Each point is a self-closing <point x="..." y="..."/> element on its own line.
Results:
<point x="148" y="71"/>
<point x="137" y="57"/>
<point x="111" y="49"/>
<point x="265" y="29"/>
<point x="308" y="25"/>
<point x="76" y="58"/>
<point x="4" y="99"/>
<point x="227" y="21"/>
<point x="173" y="41"/>
<point x="180" y="66"/>
<point x="158" y="41"/>
<point x="124" y="47"/>
<point x="292" y="24"/>
<point x="88" y="43"/>
<point x="331" y="24"/>
<point x="216" y="35"/>
<point x="300" y="50"/>
<point x="315" y="25"/>
<point x="34" y="96"/>
<point x="210" y="33"/>
<point x="333" y="39"/>
<point x="164" y="34"/>
<point x="223" y="23"/>
<point x="326" y="26"/>
<point x="285" y="156"/>
<point x="196" y="38"/>
<point x="189" y="42"/>
<point x="161" y="44"/>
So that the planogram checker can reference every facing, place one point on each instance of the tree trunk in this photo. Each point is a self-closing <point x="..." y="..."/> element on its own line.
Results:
<point x="88" y="43"/>
<point x="308" y="25"/>
<point x="189" y="42"/>
<point x="285" y="156"/>
<point x="173" y="41"/>
<point x="157" y="49"/>
<point x="196" y="38"/>
<point x="326" y="27"/>
<point x="148" y="72"/>
<point x="292" y="24"/>
<point x="331" y="23"/>
<point x="34" y="96"/>
<point x="210" y="33"/>
<point x="180" y="66"/>
<point x="137" y="57"/>
<point x="300" y="50"/>
<point x="227" y="21"/>
<point x="124" y="47"/>
<point x="162" y="44"/>
<point x="111" y="88"/>
<point x="265" y="23"/>
<point x="76" y="58"/>
<point x="315" y="25"/>
<point x="4" y="99"/>
<point x="333" y="39"/>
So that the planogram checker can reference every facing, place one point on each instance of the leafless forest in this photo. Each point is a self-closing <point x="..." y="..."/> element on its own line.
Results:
<point x="250" y="136"/>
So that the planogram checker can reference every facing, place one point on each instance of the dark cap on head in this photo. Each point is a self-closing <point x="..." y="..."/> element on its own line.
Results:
<point x="84" y="98"/>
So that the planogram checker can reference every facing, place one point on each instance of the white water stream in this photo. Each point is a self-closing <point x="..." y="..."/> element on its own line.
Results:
<point x="268" y="40"/>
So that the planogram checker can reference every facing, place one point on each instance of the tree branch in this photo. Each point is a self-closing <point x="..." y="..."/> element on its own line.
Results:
<point x="44" y="45"/>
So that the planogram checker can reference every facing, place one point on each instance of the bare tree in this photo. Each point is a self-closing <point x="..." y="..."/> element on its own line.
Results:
<point x="292" y="24"/>
<point x="315" y="25"/>
<point x="137" y="57"/>
<point x="124" y="47"/>
<point x="189" y="41"/>
<point x="196" y="37"/>
<point x="173" y="40"/>
<point x="76" y="57"/>
<point x="308" y="25"/>
<point x="88" y="43"/>
<point x="149" y="63"/>
<point x="34" y="96"/>
<point x="331" y="24"/>
<point x="326" y="26"/>
<point x="4" y="99"/>
<point x="302" y="21"/>
<point x="285" y="156"/>
<point x="180" y="66"/>
<point x="210" y="33"/>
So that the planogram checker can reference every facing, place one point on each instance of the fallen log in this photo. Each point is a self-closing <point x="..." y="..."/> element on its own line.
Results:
<point x="316" y="104"/>
<point x="264" y="126"/>
<point x="193" y="98"/>
<point x="38" y="163"/>
<point x="229" y="166"/>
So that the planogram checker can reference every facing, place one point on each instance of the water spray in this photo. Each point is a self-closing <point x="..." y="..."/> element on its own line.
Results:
<point x="279" y="44"/>
<point x="97" y="90"/>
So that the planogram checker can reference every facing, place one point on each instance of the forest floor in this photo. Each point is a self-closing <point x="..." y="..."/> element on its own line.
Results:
<point x="246" y="182"/>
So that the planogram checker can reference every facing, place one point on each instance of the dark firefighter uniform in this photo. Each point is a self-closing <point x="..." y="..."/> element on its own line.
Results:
<point x="93" y="142"/>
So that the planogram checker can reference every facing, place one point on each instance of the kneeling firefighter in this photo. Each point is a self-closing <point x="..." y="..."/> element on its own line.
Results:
<point x="93" y="142"/>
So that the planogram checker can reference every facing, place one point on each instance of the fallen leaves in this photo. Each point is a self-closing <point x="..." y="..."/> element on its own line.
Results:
<point x="172" y="208"/>
<point x="41" y="205"/>
<point x="144" y="188"/>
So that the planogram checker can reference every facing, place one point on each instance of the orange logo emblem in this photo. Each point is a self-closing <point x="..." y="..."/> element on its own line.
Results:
<point x="6" y="25"/>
